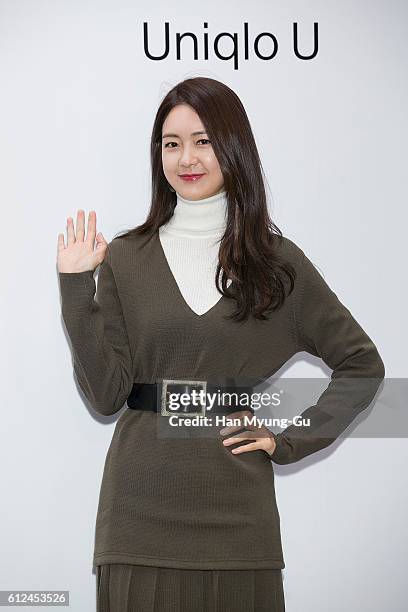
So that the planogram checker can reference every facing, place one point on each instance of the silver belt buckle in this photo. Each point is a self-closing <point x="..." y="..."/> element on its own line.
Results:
<point x="166" y="382"/>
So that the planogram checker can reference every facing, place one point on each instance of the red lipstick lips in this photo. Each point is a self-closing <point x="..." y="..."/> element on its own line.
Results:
<point x="190" y="177"/>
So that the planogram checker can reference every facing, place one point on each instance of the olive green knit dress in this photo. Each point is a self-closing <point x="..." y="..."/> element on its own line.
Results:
<point x="180" y="516"/>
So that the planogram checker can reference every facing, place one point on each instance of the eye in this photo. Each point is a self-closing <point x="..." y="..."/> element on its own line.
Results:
<point x="167" y="145"/>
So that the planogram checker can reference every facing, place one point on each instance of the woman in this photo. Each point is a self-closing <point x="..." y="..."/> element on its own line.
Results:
<point x="187" y="516"/>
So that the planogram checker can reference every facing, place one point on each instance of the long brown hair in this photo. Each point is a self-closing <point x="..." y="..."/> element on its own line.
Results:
<point x="247" y="252"/>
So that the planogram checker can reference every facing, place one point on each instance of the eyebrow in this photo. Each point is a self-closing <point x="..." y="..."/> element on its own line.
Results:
<point x="168" y="135"/>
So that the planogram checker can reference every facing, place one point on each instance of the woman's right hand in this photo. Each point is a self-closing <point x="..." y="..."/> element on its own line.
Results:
<point x="79" y="255"/>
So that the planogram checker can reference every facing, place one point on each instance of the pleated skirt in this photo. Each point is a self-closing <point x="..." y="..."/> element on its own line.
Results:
<point x="140" y="588"/>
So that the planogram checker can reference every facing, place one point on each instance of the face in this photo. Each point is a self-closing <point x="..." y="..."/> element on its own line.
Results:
<point x="186" y="150"/>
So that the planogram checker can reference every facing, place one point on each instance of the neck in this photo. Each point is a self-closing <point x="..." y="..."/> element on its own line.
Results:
<point x="205" y="217"/>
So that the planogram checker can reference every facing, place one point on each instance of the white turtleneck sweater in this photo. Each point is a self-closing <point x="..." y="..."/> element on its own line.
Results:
<point x="190" y="241"/>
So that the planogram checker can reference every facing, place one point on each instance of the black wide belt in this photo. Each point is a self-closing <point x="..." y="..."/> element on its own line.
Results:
<point x="189" y="398"/>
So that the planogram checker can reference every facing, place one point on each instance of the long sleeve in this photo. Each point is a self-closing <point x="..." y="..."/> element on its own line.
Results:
<point x="100" y="349"/>
<point x="325" y="328"/>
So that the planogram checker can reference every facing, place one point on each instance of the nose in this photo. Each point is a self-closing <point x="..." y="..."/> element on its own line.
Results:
<point x="188" y="157"/>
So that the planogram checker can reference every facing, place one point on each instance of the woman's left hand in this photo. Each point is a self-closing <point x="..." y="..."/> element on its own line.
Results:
<point x="262" y="438"/>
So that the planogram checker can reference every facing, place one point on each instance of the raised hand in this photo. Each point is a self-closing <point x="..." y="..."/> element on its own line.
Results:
<point x="80" y="255"/>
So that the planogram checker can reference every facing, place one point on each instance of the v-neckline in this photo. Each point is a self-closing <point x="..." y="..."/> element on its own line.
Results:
<point x="176" y="288"/>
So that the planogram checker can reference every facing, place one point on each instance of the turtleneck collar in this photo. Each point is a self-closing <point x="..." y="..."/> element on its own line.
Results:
<point x="205" y="217"/>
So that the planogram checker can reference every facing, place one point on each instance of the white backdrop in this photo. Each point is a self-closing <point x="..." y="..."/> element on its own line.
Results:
<point x="77" y="103"/>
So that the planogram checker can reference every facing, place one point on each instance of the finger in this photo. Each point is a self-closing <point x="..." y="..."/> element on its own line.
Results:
<point x="230" y="429"/>
<point x="91" y="233"/>
<point x="70" y="231"/>
<point x="61" y="242"/>
<point x="100" y="241"/>
<point x="246" y="447"/>
<point x="245" y="435"/>
<point x="80" y="225"/>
